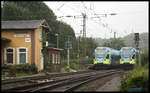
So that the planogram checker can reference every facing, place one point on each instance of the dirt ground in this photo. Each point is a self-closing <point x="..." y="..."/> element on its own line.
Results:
<point x="111" y="85"/>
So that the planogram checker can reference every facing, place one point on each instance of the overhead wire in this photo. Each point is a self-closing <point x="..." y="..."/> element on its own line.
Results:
<point x="87" y="12"/>
<point x="96" y="27"/>
<point x="68" y="7"/>
<point x="61" y="6"/>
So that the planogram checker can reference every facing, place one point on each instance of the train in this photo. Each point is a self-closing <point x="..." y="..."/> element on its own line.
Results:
<point x="128" y="55"/>
<point x="106" y="55"/>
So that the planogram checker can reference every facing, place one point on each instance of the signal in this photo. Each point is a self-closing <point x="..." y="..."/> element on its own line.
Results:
<point x="136" y="37"/>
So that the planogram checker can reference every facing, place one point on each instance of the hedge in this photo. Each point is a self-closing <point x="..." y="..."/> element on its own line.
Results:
<point x="21" y="68"/>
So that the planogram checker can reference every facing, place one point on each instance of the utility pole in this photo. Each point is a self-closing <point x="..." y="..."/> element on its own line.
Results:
<point x="84" y="16"/>
<point x="57" y="39"/>
<point x="114" y="34"/>
<point x="78" y="54"/>
<point x="84" y="25"/>
<point x="68" y="57"/>
<point x="2" y="6"/>
<point x="68" y="47"/>
<point x="136" y="38"/>
<point x="84" y="22"/>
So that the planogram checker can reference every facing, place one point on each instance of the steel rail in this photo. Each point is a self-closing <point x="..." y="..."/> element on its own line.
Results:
<point x="33" y="82"/>
<point x="32" y="86"/>
<point x="72" y="81"/>
<point x="8" y="81"/>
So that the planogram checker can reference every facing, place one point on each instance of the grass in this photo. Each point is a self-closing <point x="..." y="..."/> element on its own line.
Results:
<point x="76" y="64"/>
<point x="19" y="75"/>
<point x="138" y="78"/>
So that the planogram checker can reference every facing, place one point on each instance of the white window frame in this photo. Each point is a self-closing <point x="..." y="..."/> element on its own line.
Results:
<point x="56" y="58"/>
<point x="53" y="58"/>
<point x="19" y="53"/>
<point x="5" y="57"/>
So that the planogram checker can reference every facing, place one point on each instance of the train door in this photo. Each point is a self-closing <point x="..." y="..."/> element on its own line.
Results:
<point x="108" y="58"/>
<point x="112" y="60"/>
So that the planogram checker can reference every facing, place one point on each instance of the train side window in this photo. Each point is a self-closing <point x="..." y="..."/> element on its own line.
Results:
<point x="133" y="56"/>
<point x="107" y="56"/>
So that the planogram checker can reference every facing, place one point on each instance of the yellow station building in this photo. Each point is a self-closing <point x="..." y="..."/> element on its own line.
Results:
<point x="22" y="42"/>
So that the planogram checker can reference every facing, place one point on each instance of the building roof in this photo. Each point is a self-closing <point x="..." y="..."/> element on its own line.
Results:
<point x="22" y="24"/>
<point x="59" y="49"/>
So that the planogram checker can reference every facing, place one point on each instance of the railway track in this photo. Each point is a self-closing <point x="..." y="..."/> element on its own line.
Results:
<point x="75" y="83"/>
<point x="13" y="83"/>
<point x="8" y="81"/>
<point x="107" y="67"/>
<point x="67" y="83"/>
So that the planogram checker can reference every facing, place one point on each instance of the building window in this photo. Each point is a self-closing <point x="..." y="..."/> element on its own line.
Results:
<point x="53" y="58"/>
<point x="9" y="55"/>
<point x="58" y="58"/>
<point x="22" y="55"/>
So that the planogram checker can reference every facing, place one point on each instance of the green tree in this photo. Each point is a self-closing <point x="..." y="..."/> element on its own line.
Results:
<point x="115" y="43"/>
<point x="144" y="57"/>
<point x="23" y="10"/>
<point x="64" y="30"/>
<point x="87" y="46"/>
<point x="11" y="11"/>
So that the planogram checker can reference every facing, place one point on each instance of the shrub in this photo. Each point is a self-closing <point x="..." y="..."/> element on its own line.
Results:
<point x="34" y="69"/>
<point x="6" y="66"/>
<point x="49" y="65"/>
<point x="21" y="68"/>
<point x="144" y="57"/>
<point x="138" y="78"/>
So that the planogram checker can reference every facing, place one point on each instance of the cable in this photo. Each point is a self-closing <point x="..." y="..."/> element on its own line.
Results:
<point x="95" y="26"/>
<point x="78" y="8"/>
<point x="71" y="8"/>
<point x="60" y="6"/>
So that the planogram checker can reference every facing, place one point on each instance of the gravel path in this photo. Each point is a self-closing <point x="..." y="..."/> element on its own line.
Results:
<point x="111" y="85"/>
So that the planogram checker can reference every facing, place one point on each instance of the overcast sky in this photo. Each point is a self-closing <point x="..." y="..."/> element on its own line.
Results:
<point x="131" y="17"/>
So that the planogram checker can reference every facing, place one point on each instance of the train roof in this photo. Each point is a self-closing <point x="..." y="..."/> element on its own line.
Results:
<point x="112" y="51"/>
<point x="106" y="48"/>
<point x="101" y="47"/>
<point x="128" y="48"/>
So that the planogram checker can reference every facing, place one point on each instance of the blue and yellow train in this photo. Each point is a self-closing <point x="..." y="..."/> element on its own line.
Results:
<point x="106" y="55"/>
<point x="128" y="55"/>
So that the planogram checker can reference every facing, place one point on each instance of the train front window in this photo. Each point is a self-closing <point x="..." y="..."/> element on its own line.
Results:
<point x="100" y="53"/>
<point x="126" y="53"/>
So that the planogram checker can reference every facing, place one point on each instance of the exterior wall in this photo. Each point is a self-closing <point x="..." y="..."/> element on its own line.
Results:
<point x="34" y="47"/>
<point x="56" y="66"/>
<point x="16" y="42"/>
<point x="38" y="47"/>
<point x="2" y="53"/>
